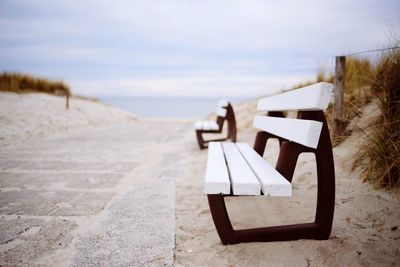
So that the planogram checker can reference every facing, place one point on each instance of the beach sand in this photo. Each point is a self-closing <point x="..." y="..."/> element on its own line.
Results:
<point x="365" y="228"/>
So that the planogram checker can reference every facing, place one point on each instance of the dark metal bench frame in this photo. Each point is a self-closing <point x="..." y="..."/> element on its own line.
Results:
<point x="231" y="121"/>
<point x="321" y="228"/>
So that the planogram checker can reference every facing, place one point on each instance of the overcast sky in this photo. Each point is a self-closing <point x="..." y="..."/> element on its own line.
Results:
<point x="187" y="47"/>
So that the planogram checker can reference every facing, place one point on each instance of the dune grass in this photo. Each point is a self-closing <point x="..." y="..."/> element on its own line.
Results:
<point x="383" y="142"/>
<point x="24" y="83"/>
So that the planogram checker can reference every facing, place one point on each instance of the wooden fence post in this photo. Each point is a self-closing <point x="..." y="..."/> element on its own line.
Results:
<point x="67" y="100"/>
<point x="338" y="125"/>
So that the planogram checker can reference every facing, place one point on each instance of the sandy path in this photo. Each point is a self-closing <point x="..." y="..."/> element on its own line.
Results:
<point x="104" y="197"/>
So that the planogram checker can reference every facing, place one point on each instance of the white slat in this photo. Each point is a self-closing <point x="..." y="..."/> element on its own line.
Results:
<point x="221" y="112"/>
<point x="201" y="125"/>
<point x="272" y="182"/>
<point x="313" y="97"/>
<point x="198" y="125"/>
<point x="217" y="176"/>
<point x="214" y="125"/>
<point x="206" y="125"/>
<point x="243" y="180"/>
<point x="223" y="103"/>
<point x="210" y="125"/>
<point x="305" y="132"/>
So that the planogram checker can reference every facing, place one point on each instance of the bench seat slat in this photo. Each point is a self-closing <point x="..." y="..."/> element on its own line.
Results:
<point x="272" y="182"/>
<point x="313" y="97"/>
<point x="213" y="126"/>
<point x="206" y="125"/>
<point x="305" y="132"/>
<point x="244" y="181"/>
<point x="217" y="176"/>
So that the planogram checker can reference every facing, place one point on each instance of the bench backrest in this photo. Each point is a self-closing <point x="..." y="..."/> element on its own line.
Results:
<point x="309" y="98"/>
<point x="312" y="97"/>
<point x="223" y="103"/>
<point x="221" y="112"/>
<point x="222" y="108"/>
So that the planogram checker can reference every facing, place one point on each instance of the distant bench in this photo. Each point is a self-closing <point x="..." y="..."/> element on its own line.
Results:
<point x="235" y="169"/>
<point x="224" y="113"/>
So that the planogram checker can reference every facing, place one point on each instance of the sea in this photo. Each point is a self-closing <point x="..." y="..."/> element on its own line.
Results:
<point x="168" y="107"/>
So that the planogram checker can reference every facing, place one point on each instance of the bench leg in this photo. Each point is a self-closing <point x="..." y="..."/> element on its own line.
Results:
<point x="200" y="140"/>
<point x="204" y="143"/>
<point x="230" y="117"/>
<point x="221" y="219"/>
<point x="232" y="132"/>
<point x="228" y="235"/>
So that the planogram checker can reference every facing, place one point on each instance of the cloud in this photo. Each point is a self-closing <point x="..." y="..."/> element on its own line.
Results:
<point x="214" y="85"/>
<point x="165" y="40"/>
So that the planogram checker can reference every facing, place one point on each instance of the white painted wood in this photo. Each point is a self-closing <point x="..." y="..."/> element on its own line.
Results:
<point x="223" y="103"/>
<point x="272" y="182"/>
<point x="305" y="132"/>
<point x="198" y="125"/>
<point x="210" y="125"/>
<point x="221" y="112"/>
<point x="244" y="181"/>
<point x="214" y="126"/>
<point x="313" y="97"/>
<point x="217" y="176"/>
<point x="206" y="125"/>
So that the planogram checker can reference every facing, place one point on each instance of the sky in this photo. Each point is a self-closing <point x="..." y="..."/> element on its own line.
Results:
<point x="187" y="48"/>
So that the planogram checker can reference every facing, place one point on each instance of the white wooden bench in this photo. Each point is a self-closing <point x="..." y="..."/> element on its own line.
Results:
<point x="235" y="169"/>
<point x="224" y="113"/>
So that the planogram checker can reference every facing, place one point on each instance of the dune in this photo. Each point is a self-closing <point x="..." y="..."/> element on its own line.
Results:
<point x="26" y="117"/>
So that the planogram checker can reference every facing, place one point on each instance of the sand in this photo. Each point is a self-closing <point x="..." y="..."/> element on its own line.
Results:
<point x="365" y="228"/>
<point x="25" y="117"/>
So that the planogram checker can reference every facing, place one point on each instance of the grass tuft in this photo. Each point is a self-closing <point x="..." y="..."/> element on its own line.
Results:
<point x="24" y="83"/>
